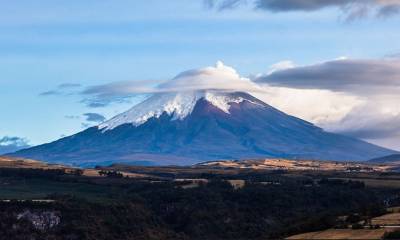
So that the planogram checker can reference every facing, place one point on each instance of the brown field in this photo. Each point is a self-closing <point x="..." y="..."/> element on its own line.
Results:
<point x="237" y="183"/>
<point x="301" y="165"/>
<point x="223" y="167"/>
<point x="6" y="162"/>
<point x="95" y="173"/>
<point x="338" y="234"/>
<point x="191" y="183"/>
<point x="394" y="209"/>
<point x="371" y="175"/>
<point x="391" y="219"/>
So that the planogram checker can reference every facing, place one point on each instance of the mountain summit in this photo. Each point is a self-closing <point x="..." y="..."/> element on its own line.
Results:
<point x="191" y="127"/>
<point x="178" y="106"/>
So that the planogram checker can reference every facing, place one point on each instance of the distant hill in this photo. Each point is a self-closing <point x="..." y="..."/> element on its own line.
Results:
<point x="11" y="162"/>
<point x="12" y="144"/>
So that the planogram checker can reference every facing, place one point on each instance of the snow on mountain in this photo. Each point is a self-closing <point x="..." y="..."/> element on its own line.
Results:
<point x="178" y="96"/>
<point x="177" y="105"/>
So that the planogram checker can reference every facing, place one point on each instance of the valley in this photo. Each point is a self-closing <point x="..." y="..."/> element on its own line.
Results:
<point x="253" y="199"/>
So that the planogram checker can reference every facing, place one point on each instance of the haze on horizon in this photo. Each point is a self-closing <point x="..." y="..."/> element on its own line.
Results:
<point x="66" y="66"/>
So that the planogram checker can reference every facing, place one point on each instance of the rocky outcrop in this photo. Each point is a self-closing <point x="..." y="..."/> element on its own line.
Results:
<point x="43" y="221"/>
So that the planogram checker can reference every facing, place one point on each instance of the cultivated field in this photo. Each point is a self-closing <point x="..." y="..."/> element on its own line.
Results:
<point x="391" y="219"/>
<point x="341" y="234"/>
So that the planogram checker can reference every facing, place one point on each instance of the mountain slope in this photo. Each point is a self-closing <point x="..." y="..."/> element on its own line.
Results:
<point x="201" y="126"/>
<point x="387" y="159"/>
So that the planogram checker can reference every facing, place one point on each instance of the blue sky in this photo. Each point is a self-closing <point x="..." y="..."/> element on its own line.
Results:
<point x="44" y="44"/>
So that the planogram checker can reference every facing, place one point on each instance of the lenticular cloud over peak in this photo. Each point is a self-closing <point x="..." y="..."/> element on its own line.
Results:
<point x="218" y="77"/>
<point x="179" y="96"/>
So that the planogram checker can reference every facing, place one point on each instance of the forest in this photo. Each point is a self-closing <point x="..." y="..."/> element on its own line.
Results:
<point x="115" y="207"/>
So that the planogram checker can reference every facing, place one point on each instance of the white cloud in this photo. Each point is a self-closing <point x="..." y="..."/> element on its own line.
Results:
<point x="321" y="107"/>
<point x="219" y="78"/>
<point x="374" y="119"/>
<point x="352" y="9"/>
<point x="283" y="65"/>
<point x="355" y="97"/>
<point x="342" y="74"/>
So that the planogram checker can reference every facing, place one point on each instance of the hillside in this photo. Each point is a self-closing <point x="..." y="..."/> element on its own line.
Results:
<point x="387" y="159"/>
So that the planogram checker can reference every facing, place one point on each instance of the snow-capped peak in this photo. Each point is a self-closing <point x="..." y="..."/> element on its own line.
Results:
<point x="178" y="105"/>
<point x="178" y="96"/>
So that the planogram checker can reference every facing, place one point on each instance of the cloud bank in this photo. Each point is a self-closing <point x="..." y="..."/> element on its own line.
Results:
<point x="218" y="78"/>
<point x="94" y="117"/>
<point x="352" y="9"/>
<point x="62" y="89"/>
<point x="371" y="87"/>
<point x="346" y="75"/>
<point x="11" y="144"/>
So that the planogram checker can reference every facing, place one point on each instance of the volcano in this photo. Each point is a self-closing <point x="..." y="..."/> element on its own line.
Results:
<point x="196" y="126"/>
